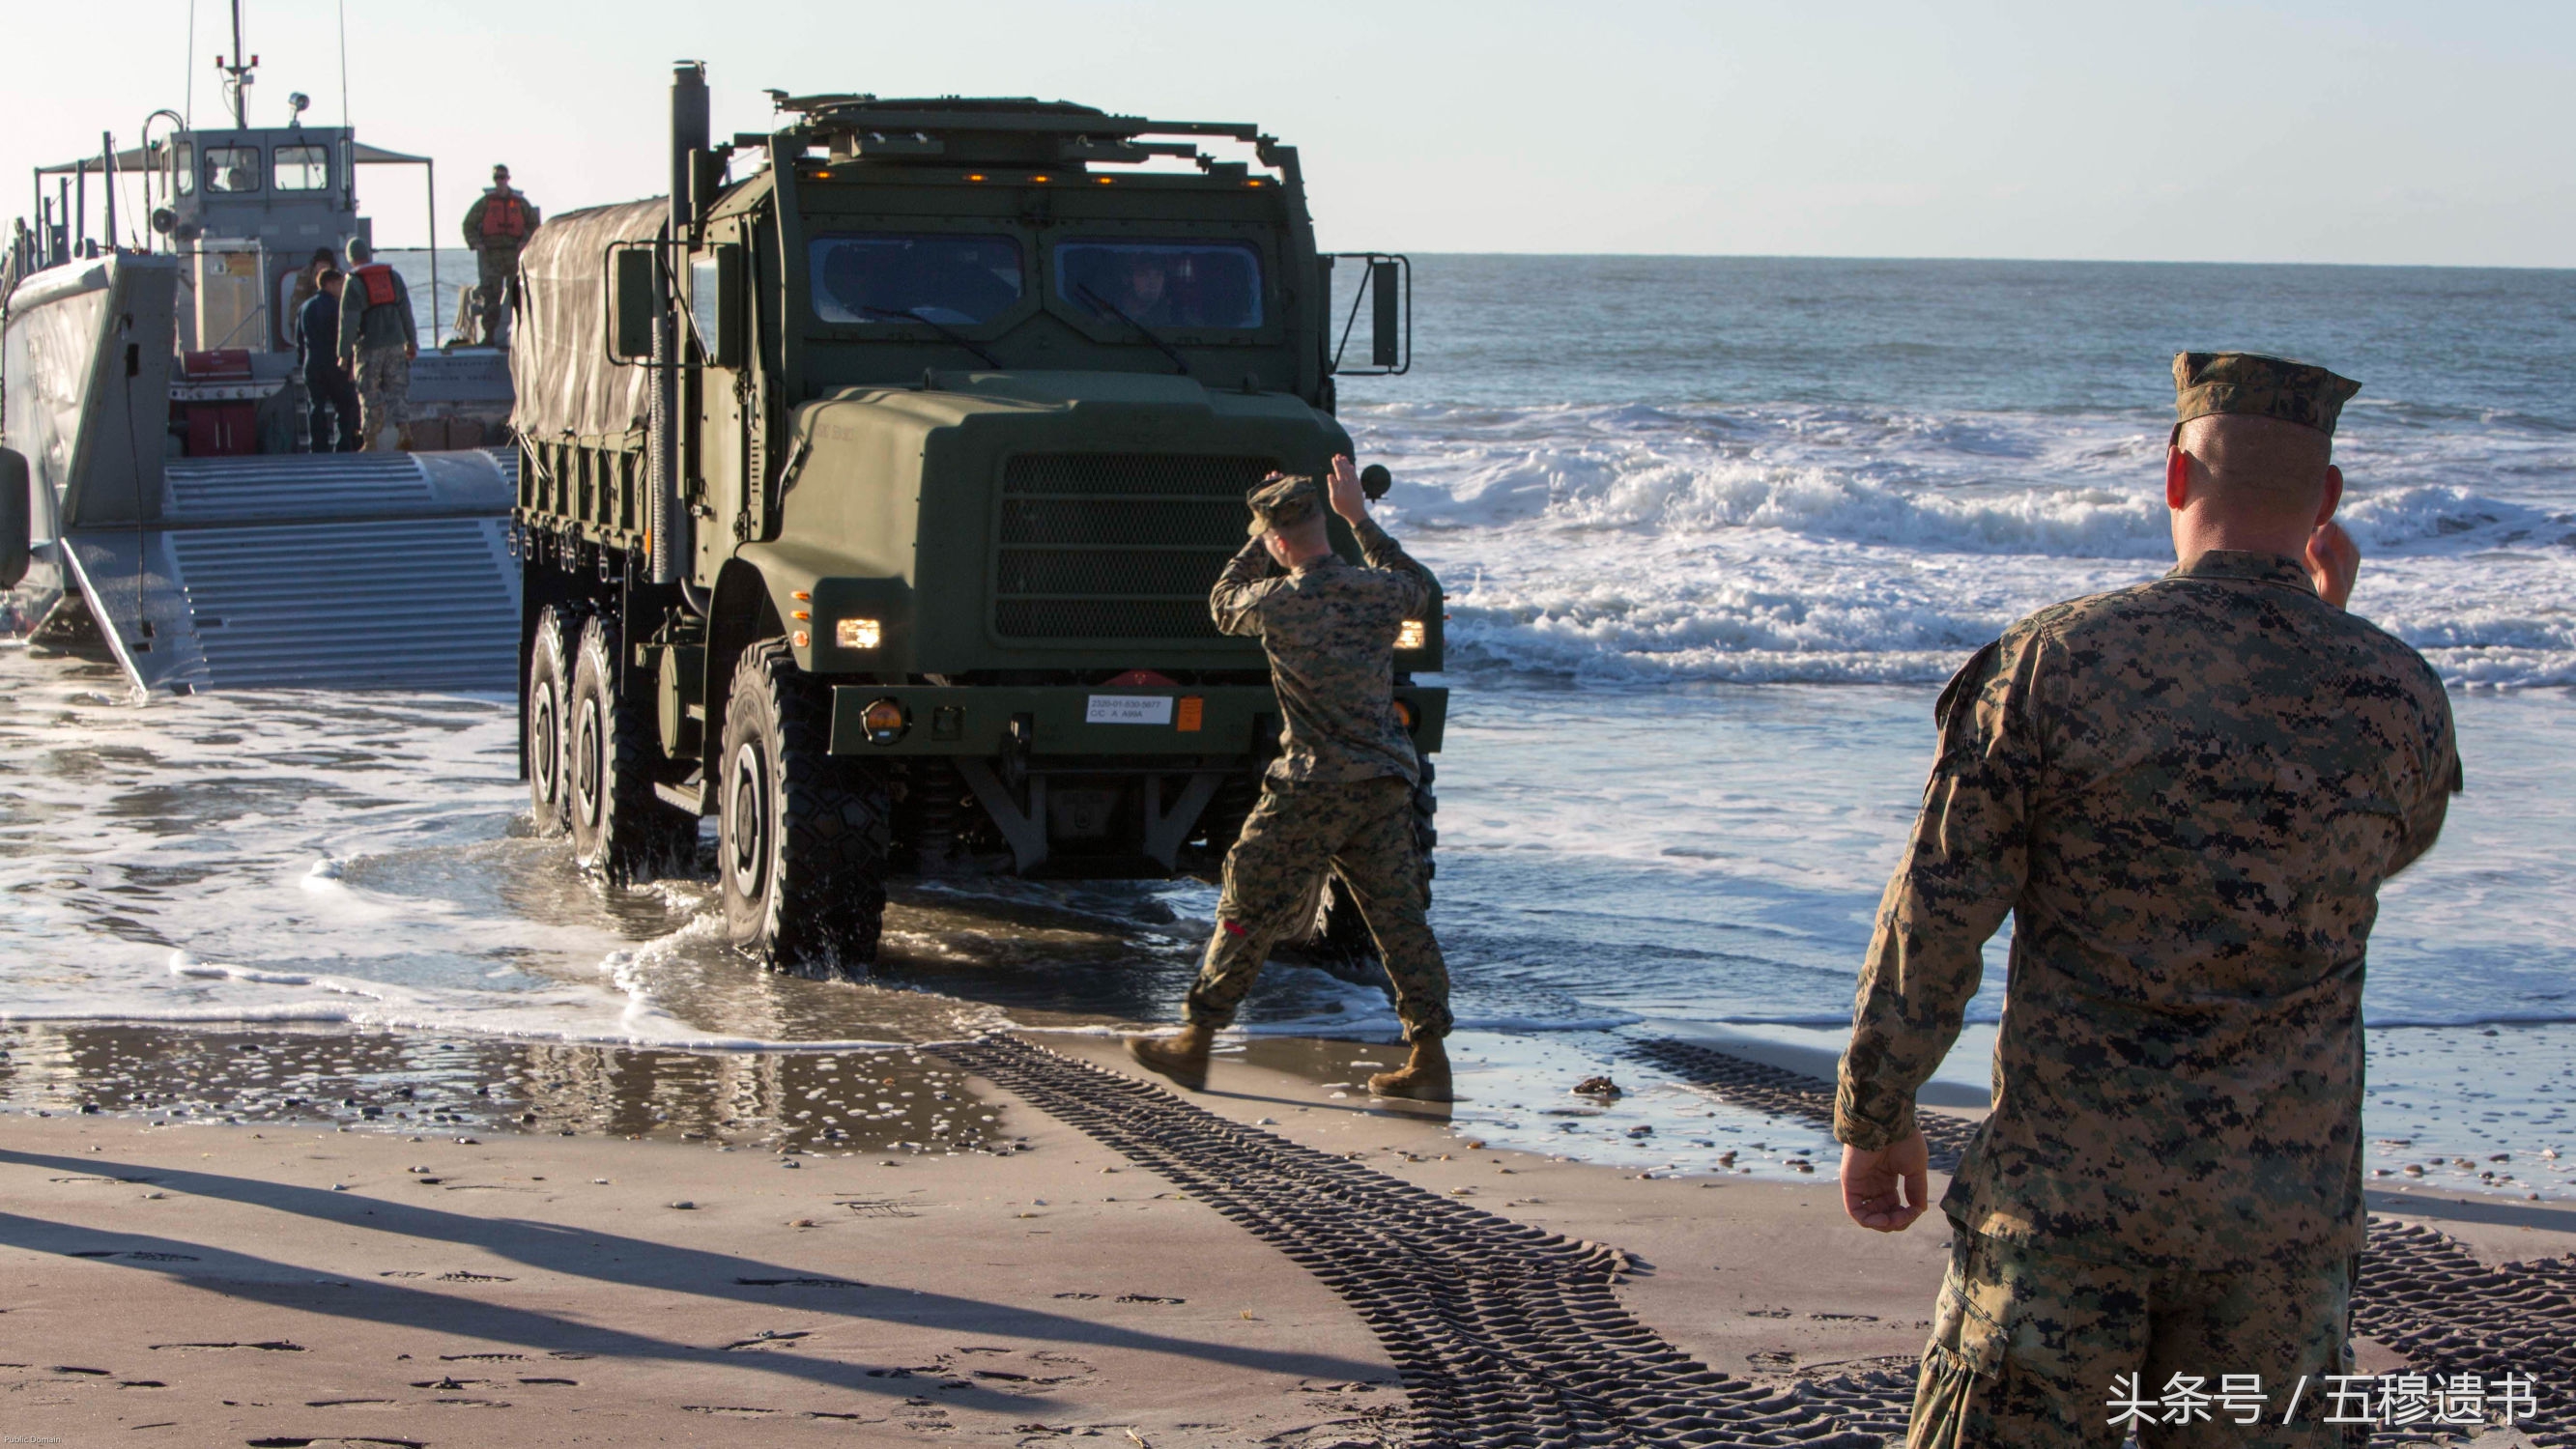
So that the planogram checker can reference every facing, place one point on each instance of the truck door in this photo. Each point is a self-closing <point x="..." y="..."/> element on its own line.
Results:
<point x="727" y="393"/>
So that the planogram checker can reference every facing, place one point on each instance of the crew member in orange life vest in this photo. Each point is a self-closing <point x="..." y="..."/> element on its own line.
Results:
<point x="376" y="332"/>
<point x="496" y="226"/>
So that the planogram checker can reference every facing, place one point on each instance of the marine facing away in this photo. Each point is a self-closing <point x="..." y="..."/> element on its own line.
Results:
<point x="377" y="343"/>
<point x="1340" y="795"/>
<point x="2186" y="794"/>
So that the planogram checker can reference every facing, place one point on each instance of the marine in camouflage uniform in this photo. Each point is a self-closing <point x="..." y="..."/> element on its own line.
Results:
<point x="1340" y="795"/>
<point x="2186" y="794"/>
<point x="497" y="227"/>
<point x="378" y="340"/>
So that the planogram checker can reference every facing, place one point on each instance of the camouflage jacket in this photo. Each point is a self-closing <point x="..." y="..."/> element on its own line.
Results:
<point x="2186" y="794"/>
<point x="1330" y="630"/>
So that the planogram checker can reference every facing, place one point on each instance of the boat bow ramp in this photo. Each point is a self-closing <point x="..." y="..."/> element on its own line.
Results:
<point x="356" y="570"/>
<point x="347" y="570"/>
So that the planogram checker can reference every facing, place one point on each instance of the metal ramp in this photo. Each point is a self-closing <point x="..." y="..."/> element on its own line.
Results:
<point x="365" y="570"/>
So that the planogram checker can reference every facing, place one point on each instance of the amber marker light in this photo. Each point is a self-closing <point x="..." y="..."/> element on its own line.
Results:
<point x="801" y="639"/>
<point x="1404" y="714"/>
<point x="1410" y="634"/>
<point x="858" y="633"/>
<point x="1039" y="178"/>
<point x="886" y="721"/>
<point x="974" y="175"/>
<point x="1105" y="180"/>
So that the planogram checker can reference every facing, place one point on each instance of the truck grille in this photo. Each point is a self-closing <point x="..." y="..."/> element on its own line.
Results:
<point x="1117" y="545"/>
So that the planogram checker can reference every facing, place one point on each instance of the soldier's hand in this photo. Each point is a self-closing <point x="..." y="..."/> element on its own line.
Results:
<point x="1886" y="1190"/>
<point x="2333" y="562"/>
<point x="1344" y="485"/>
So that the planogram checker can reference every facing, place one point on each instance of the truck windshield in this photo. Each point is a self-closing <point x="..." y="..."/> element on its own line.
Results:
<point x="1163" y="284"/>
<point x="878" y="279"/>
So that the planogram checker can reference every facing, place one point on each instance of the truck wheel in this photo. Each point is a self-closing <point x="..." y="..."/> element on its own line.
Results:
<point x="545" y="707"/>
<point x="801" y="857"/>
<point x="620" y="828"/>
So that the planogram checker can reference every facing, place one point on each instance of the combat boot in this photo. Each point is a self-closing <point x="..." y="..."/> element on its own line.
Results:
<point x="1424" y="1077"/>
<point x="1181" y="1056"/>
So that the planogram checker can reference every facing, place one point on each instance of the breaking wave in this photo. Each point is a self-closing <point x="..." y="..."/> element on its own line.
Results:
<point x="1637" y="543"/>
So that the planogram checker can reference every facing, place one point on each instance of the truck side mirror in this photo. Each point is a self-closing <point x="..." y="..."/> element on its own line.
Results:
<point x="633" y="302"/>
<point x="1386" y="286"/>
<point x="1375" y="480"/>
<point x="17" y="510"/>
<point x="1387" y="321"/>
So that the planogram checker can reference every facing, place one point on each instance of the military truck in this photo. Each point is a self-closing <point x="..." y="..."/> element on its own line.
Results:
<point x="870" y="498"/>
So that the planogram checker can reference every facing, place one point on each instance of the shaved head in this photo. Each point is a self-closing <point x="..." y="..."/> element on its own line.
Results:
<point x="2256" y="468"/>
<point x="1299" y="542"/>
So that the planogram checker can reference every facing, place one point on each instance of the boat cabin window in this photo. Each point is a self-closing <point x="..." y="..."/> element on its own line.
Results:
<point x="302" y="168"/>
<point x="1163" y="284"/>
<point x="947" y="278"/>
<point x="185" y="168"/>
<point x="232" y="169"/>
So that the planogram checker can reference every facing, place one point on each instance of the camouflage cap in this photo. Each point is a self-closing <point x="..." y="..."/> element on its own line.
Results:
<point x="2258" y="386"/>
<point x="1283" y="502"/>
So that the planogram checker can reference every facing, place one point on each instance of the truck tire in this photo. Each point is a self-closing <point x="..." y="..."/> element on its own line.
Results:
<point x="543" y="710"/>
<point x="620" y="829"/>
<point x="802" y="845"/>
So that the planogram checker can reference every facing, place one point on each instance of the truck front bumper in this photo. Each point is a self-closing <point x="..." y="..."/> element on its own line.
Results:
<point x="1214" y="721"/>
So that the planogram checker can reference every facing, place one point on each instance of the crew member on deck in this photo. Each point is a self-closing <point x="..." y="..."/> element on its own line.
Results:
<point x="328" y="392"/>
<point x="496" y="227"/>
<point x="378" y="341"/>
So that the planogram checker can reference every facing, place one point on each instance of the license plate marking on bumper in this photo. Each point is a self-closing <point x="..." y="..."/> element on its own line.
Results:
<point x="1132" y="709"/>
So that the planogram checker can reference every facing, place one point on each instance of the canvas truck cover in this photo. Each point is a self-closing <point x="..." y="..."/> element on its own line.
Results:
<point x="568" y="388"/>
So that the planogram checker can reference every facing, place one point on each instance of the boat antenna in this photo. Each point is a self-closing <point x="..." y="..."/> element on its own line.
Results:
<point x="188" y="107"/>
<point x="237" y="74"/>
<point x="343" y="9"/>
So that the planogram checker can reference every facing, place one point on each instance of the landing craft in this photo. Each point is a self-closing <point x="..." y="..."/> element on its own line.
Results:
<point x="869" y="501"/>
<point x="153" y="403"/>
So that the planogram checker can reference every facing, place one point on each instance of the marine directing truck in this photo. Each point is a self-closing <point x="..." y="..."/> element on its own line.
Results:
<point x="869" y="502"/>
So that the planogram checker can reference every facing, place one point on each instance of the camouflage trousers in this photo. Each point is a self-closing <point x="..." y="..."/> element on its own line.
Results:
<point x="1363" y="832"/>
<point x="384" y="393"/>
<point x="2034" y="1350"/>
<point x="496" y="285"/>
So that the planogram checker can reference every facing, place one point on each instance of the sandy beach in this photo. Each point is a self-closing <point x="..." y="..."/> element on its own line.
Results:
<point x="1149" y="1270"/>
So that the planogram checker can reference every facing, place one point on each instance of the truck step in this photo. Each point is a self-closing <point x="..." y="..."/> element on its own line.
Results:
<point x="680" y="797"/>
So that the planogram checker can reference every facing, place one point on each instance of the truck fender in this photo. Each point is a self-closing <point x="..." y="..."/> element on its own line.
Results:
<point x="739" y="612"/>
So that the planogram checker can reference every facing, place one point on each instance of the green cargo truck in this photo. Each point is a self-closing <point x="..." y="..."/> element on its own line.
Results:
<point x="871" y="486"/>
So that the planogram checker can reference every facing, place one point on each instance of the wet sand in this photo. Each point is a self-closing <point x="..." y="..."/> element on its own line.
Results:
<point x="290" y="1281"/>
<point x="275" y="1281"/>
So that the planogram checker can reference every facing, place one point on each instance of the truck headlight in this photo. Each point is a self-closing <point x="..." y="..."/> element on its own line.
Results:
<point x="1410" y="634"/>
<point x="886" y="721"/>
<point x="858" y="633"/>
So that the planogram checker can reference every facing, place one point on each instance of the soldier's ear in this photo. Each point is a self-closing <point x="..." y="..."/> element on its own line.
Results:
<point x="2177" y="479"/>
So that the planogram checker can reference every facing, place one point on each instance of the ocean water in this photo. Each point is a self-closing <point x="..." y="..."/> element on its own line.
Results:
<point x="1714" y="531"/>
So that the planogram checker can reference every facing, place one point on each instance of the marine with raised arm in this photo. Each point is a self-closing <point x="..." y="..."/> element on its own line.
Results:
<point x="2186" y="794"/>
<point x="1340" y="795"/>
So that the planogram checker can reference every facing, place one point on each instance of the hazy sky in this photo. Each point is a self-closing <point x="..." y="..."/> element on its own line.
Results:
<point x="2351" y="131"/>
